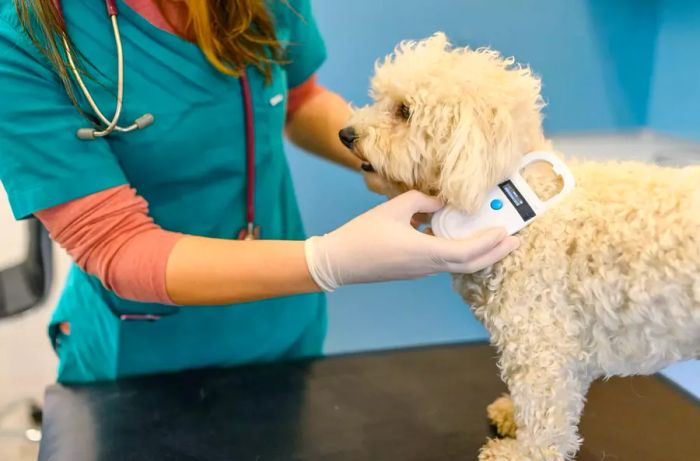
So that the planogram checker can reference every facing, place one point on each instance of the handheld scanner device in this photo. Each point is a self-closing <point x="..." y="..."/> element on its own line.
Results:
<point x="512" y="204"/>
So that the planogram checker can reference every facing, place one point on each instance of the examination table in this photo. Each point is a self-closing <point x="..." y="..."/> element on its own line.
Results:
<point x="423" y="404"/>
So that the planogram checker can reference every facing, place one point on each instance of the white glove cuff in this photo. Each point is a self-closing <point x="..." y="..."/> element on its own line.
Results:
<point x="319" y="265"/>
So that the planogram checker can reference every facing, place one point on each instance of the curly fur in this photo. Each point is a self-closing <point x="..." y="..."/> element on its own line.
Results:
<point x="606" y="283"/>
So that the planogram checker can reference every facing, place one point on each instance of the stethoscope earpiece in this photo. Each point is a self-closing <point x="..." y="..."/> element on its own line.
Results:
<point x="144" y="121"/>
<point x="88" y="134"/>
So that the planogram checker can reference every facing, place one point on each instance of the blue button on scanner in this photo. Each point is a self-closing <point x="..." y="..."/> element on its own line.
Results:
<point x="496" y="204"/>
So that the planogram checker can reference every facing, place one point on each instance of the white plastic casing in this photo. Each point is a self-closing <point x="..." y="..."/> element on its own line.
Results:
<point x="454" y="224"/>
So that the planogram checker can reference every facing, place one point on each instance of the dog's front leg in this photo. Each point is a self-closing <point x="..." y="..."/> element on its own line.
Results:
<point x="548" y="392"/>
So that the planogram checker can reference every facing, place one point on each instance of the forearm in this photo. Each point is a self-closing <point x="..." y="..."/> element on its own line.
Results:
<point x="315" y="125"/>
<point x="110" y="235"/>
<point x="206" y="271"/>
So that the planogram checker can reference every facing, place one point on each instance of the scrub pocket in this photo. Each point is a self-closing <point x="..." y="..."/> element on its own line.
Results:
<point x="89" y="351"/>
<point x="69" y="369"/>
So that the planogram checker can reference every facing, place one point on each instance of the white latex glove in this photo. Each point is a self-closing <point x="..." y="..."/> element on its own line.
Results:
<point x="381" y="245"/>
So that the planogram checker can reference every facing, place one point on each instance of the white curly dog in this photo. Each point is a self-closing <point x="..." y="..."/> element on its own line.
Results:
<point x="605" y="283"/>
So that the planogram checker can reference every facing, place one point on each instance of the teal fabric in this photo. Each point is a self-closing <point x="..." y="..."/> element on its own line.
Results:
<point x="189" y="165"/>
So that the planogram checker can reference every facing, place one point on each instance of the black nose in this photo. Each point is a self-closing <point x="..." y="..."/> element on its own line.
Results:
<point x="348" y="136"/>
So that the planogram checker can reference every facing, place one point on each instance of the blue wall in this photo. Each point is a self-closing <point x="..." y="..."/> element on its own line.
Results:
<point x="594" y="55"/>
<point x="596" y="59"/>
<point x="675" y="95"/>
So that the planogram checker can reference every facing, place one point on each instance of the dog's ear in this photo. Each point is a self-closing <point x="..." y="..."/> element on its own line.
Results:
<point x="479" y="155"/>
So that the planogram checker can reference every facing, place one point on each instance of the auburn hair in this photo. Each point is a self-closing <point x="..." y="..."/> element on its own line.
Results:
<point x="232" y="34"/>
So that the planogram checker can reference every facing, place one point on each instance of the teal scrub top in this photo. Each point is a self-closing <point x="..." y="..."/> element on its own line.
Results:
<point x="189" y="165"/>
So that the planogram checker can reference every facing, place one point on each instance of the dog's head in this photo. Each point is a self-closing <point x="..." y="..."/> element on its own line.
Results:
<point x="450" y="122"/>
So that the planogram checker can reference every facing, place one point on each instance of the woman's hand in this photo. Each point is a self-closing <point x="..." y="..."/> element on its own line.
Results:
<point x="382" y="245"/>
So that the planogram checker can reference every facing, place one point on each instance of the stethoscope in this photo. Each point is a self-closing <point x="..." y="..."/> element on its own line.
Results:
<point x="109" y="125"/>
<point x="250" y="231"/>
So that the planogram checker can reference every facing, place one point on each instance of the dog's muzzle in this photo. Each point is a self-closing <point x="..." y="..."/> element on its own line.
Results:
<point x="348" y="136"/>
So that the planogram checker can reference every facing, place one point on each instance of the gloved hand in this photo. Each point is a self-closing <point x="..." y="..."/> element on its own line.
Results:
<point x="381" y="245"/>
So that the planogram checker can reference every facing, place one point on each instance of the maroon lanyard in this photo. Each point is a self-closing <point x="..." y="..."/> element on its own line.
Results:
<point x="250" y="231"/>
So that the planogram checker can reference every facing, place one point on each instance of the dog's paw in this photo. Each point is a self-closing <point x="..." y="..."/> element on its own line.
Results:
<point x="513" y="450"/>
<point x="501" y="416"/>
<point x="501" y="450"/>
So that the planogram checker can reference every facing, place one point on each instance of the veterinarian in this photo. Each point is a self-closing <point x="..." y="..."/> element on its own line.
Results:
<point x="169" y="188"/>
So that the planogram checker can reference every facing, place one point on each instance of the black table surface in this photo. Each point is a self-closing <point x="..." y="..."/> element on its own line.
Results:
<point x="420" y="404"/>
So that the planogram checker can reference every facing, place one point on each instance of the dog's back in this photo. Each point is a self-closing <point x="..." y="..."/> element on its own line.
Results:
<point x="617" y="263"/>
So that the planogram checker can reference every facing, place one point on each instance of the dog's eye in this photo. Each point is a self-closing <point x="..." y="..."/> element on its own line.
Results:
<point x="403" y="111"/>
